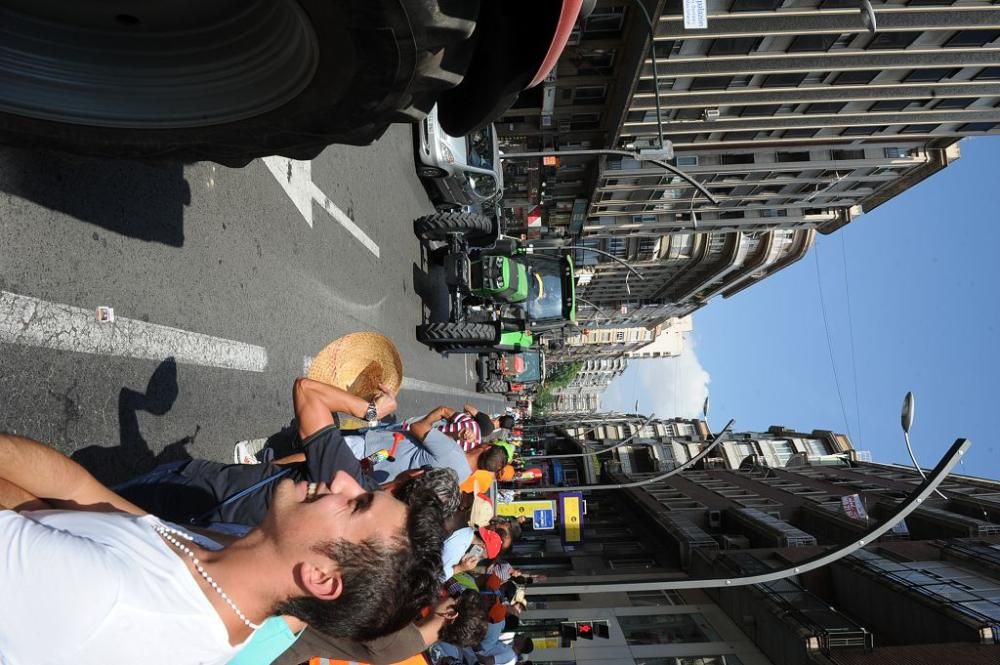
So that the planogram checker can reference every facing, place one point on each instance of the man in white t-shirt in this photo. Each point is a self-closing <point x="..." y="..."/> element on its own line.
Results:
<point x="102" y="587"/>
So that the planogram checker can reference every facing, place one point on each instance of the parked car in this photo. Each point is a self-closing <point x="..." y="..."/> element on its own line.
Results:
<point x="459" y="172"/>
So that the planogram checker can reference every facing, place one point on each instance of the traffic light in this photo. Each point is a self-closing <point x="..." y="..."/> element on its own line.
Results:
<point x="602" y="629"/>
<point x="583" y="630"/>
<point x="567" y="632"/>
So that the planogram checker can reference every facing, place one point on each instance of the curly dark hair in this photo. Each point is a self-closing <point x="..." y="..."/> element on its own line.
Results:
<point x="469" y="629"/>
<point x="442" y="482"/>
<point x="374" y="572"/>
<point x="493" y="458"/>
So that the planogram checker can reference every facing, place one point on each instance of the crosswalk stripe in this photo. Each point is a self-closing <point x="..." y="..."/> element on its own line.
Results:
<point x="29" y="321"/>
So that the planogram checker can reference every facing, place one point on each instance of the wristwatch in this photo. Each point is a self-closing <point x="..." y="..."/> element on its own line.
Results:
<point x="371" y="415"/>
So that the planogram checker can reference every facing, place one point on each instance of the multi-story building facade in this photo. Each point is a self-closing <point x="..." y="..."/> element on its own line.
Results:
<point x="791" y="113"/>
<point x="583" y="392"/>
<point x="661" y="341"/>
<point x="924" y="594"/>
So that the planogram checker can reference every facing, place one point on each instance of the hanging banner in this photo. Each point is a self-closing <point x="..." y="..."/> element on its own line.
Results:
<point x="854" y="507"/>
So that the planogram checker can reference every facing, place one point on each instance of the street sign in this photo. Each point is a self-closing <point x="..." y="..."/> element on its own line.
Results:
<point x="525" y="508"/>
<point x="571" y="509"/>
<point x="543" y="518"/>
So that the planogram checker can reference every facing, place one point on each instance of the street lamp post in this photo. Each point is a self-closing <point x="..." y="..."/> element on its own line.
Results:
<point x="906" y="421"/>
<point x="911" y="503"/>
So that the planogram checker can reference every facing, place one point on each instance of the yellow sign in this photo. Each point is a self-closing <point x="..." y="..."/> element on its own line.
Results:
<point x="573" y="518"/>
<point x="546" y="642"/>
<point x="525" y="508"/>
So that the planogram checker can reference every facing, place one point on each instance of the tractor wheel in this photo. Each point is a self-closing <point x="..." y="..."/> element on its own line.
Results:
<point x="226" y="81"/>
<point x="446" y="336"/>
<point x="492" y="387"/>
<point x="439" y="225"/>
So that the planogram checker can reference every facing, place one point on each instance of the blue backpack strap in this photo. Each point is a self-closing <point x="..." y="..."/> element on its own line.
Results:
<point x="201" y="519"/>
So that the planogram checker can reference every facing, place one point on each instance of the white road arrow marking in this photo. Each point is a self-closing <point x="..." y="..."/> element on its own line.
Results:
<point x="29" y="321"/>
<point x="295" y="177"/>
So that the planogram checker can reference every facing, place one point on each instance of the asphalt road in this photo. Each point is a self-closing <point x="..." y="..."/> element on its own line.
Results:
<point x="221" y="289"/>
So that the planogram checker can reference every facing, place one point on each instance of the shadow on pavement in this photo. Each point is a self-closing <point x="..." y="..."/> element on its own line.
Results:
<point x="432" y="288"/>
<point x="133" y="455"/>
<point x="136" y="199"/>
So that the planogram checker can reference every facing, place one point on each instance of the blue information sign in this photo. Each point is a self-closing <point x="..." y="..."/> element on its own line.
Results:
<point x="543" y="519"/>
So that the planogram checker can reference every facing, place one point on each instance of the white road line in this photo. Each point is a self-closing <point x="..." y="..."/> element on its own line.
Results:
<point x="427" y="387"/>
<point x="417" y="384"/>
<point x="28" y="321"/>
<point x="295" y="177"/>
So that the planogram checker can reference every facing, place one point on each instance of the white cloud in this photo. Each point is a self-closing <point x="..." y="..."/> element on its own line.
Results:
<point x="668" y="387"/>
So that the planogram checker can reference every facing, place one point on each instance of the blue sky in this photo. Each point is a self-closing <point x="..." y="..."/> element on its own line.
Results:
<point x="922" y="273"/>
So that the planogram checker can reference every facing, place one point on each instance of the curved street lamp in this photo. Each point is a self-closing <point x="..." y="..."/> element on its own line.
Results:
<point x="906" y="421"/>
<point x="911" y="503"/>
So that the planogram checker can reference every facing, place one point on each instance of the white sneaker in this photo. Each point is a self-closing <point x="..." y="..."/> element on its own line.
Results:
<point x="245" y="452"/>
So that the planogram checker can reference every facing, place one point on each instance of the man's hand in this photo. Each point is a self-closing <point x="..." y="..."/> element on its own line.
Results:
<point x="48" y="474"/>
<point x="385" y="401"/>
<point x="316" y="402"/>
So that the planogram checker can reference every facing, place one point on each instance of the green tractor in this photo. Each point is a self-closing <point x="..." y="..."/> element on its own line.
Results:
<point x="502" y="295"/>
<point x="514" y="374"/>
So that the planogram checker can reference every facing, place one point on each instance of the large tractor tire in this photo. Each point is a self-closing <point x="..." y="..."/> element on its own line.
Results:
<point x="227" y="80"/>
<point x="492" y="387"/>
<point x="439" y="225"/>
<point x="454" y="336"/>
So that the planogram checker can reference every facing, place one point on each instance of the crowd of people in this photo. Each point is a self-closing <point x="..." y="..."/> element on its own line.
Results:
<point x="384" y="539"/>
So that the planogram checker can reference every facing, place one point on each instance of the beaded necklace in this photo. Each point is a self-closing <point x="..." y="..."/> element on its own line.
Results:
<point x="168" y="535"/>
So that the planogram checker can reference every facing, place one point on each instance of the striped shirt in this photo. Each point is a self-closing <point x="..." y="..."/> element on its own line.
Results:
<point x="460" y="422"/>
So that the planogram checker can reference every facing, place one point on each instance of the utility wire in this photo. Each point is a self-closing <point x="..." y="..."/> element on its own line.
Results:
<point x="850" y="329"/>
<point x="829" y="342"/>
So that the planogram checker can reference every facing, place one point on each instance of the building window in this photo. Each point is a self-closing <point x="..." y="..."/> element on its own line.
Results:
<point x="759" y="110"/>
<point x="859" y="77"/>
<point x="847" y="154"/>
<point x="605" y="19"/>
<point x="825" y="107"/>
<point x="739" y="158"/>
<point x="792" y="156"/>
<point x="788" y="80"/>
<point x="589" y="94"/>
<point x="631" y="563"/>
<point x="932" y="74"/>
<point x="754" y="5"/>
<point x="972" y="38"/>
<point x="892" y="104"/>
<point x="896" y="153"/>
<point x="666" y="629"/>
<point x="687" y="160"/>
<point x="977" y="126"/>
<point x="893" y="40"/>
<point x="800" y="133"/>
<point x="711" y="82"/>
<point x="864" y="130"/>
<point x="988" y="74"/>
<point x="804" y="43"/>
<point x="918" y="129"/>
<point x="596" y="61"/>
<point x="954" y="103"/>
<point x="659" y="598"/>
<point x="583" y="121"/>
<point x="734" y="45"/>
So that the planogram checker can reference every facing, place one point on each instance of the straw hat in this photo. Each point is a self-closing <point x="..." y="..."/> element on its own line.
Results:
<point x="358" y="363"/>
